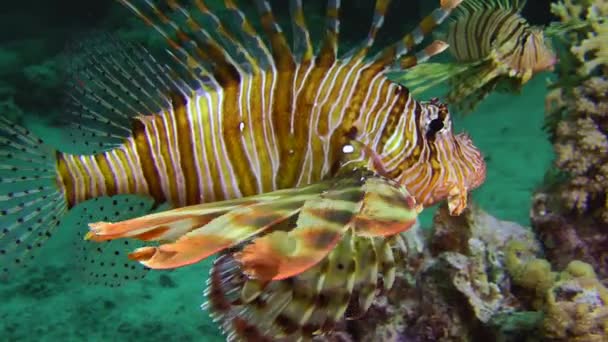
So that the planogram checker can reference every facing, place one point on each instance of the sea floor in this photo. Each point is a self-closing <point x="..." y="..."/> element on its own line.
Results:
<point x="46" y="304"/>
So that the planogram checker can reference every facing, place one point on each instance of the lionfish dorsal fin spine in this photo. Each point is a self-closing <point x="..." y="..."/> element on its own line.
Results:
<point x="201" y="44"/>
<point x="329" y="46"/>
<point x="281" y="52"/>
<point x="434" y="48"/>
<point x="177" y="51"/>
<point x="250" y="36"/>
<point x="405" y="45"/>
<point x="302" y="44"/>
<point x="228" y="38"/>
<point x="377" y="22"/>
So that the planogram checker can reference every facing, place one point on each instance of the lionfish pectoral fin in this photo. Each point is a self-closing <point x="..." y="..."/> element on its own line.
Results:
<point x="320" y="226"/>
<point x="167" y="225"/>
<point x="281" y="255"/>
<point x="199" y="231"/>
<point x="386" y="210"/>
<point x="423" y="77"/>
<point x="469" y="88"/>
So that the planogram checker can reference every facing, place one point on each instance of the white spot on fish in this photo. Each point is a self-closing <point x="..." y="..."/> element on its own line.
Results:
<point x="348" y="149"/>
<point x="241" y="126"/>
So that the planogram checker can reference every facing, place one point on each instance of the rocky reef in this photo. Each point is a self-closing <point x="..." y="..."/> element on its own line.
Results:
<point x="474" y="278"/>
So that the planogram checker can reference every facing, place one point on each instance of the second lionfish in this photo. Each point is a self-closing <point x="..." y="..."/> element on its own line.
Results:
<point x="233" y="116"/>
<point x="494" y="48"/>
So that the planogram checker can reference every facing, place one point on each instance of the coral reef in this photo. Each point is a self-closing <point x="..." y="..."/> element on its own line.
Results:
<point x="570" y="211"/>
<point x="476" y="278"/>
<point x="457" y="287"/>
<point x="574" y="302"/>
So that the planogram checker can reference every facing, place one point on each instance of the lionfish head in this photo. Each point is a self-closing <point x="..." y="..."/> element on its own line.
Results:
<point x="449" y="165"/>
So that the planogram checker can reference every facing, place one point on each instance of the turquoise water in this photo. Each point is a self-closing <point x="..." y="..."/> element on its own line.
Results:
<point x="48" y="303"/>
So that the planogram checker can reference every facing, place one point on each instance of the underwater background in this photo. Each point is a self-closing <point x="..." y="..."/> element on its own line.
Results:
<point x="49" y="302"/>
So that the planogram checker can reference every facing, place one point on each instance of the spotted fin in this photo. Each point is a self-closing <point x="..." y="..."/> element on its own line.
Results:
<point x="107" y="263"/>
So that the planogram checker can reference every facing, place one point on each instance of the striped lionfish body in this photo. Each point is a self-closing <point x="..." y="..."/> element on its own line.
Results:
<point x="494" y="47"/>
<point x="295" y="262"/>
<point x="230" y="115"/>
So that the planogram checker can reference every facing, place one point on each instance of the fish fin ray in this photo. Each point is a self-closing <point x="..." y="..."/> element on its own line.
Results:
<point x="329" y="46"/>
<point x="380" y="10"/>
<point x="397" y="50"/>
<point x="303" y="49"/>
<point x="423" y="77"/>
<point x="110" y="83"/>
<point x="31" y="201"/>
<point x="282" y="55"/>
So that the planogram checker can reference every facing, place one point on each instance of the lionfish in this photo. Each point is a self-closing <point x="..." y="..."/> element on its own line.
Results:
<point x="494" y="48"/>
<point x="316" y="159"/>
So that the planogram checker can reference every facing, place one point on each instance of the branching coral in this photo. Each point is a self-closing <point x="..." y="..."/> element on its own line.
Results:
<point x="589" y="17"/>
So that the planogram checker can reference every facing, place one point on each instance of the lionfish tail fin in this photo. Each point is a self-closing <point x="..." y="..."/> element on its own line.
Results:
<point x="32" y="200"/>
<point x="405" y="45"/>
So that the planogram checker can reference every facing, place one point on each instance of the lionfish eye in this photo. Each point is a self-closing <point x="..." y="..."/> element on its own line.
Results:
<point x="435" y="126"/>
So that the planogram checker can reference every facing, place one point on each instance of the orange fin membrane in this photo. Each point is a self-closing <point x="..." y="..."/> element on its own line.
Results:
<point x="382" y="208"/>
<point x="387" y="209"/>
<point x="280" y="254"/>
<point x="199" y="231"/>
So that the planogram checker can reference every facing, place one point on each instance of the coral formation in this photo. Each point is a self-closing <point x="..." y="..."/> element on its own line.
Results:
<point x="589" y="46"/>
<point x="574" y="302"/>
<point x="475" y="277"/>
<point x="570" y="212"/>
<point x="457" y="288"/>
